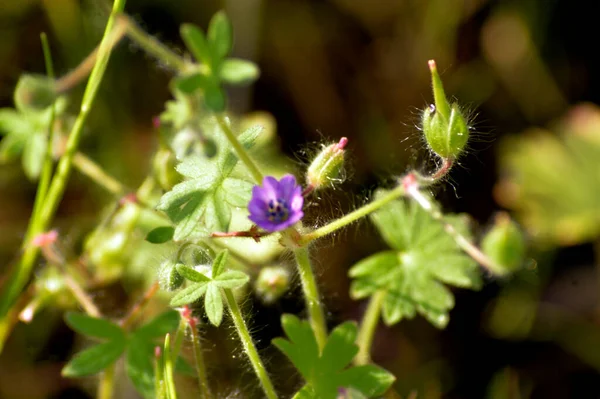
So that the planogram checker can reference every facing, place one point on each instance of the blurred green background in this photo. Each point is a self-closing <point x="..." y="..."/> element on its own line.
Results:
<point x="356" y="68"/>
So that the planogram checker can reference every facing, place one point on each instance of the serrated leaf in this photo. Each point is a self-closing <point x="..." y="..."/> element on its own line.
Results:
<point x="220" y="35"/>
<point x="94" y="327"/>
<point x="218" y="265"/>
<point x="213" y="304"/>
<point x="238" y="72"/>
<point x="140" y="367"/>
<point x="196" y="42"/>
<point x="423" y="257"/>
<point x="189" y="294"/>
<point x="160" y="235"/>
<point x="191" y="274"/>
<point x="94" y="359"/>
<point x="326" y="374"/>
<point x="231" y="279"/>
<point x="237" y="192"/>
<point x="159" y="326"/>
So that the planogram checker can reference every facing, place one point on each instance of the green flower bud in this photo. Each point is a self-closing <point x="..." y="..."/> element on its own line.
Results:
<point x="444" y="125"/>
<point x="272" y="283"/>
<point x="504" y="244"/>
<point x="164" y="169"/>
<point x="328" y="166"/>
<point x="35" y="92"/>
<point x="168" y="277"/>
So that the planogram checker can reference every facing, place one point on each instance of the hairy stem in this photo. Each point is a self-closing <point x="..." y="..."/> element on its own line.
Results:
<point x="352" y="216"/>
<point x="311" y="296"/>
<point x="107" y="383"/>
<point x="200" y="366"/>
<point x="41" y="220"/>
<point x="463" y="242"/>
<point x="248" y="345"/>
<point x="151" y="45"/>
<point x="368" y="326"/>
<point x="239" y="149"/>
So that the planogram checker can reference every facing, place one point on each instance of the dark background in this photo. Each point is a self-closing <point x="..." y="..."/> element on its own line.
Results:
<point x="358" y="69"/>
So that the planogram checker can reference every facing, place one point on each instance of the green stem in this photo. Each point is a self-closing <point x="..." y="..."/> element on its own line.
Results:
<point x="151" y="45"/>
<point x="248" y="345"/>
<point x="239" y="149"/>
<point x="368" y="327"/>
<point x="168" y="372"/>
<point x="46" y="174"/>
<point x="200" y="366"/>
<point x="41" y="220"/>
<point x="92" y="170"/>
<point x="107" y="383"/>
<point x="352" y="216"/>
<point x="311" y="296"/>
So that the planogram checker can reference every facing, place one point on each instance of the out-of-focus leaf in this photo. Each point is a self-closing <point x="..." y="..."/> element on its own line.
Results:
<point x="195" y="41"/>
<point x="162" y="324"/>
<point x="220" y="35"/>
<point x="94" y="327"/>
<point x="94" y="359"/>
<point x="238" y="72"/>
<point x="160" y="235"/>
<point x="140" y="367"/>
<point x="552" y="183"/>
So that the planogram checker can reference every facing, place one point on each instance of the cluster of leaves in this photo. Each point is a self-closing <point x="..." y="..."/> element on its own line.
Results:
<point x="26" y="133"/>
<point x="202" y="202"/>
<point x="423" y="256"/>
<point x="138" y="345"/>
<point x="326" y="373"/>
<point x="209" y="287"/>
<point x="215" y="68"/>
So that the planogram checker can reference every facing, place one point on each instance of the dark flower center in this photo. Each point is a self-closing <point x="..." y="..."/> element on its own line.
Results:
<point x="278" y="210"/>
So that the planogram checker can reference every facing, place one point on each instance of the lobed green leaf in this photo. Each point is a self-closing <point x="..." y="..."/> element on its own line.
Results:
<point x="94" y="359"/>
<point x="94" y="327"/>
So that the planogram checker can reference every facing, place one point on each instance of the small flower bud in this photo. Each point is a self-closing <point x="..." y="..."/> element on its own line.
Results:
<point x="444" y="125"/>
<point x="168" y="277"/>
<point x="164" y="169"/>
<point x="272" y="283"/>
<point x="35" y="92"/>
<point x="328" y="166"/>
<point x="504" y="244"/>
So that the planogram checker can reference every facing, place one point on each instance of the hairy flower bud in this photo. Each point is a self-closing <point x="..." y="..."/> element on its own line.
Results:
<point x="444" y="126"/>
<point x="327" y="166"/>
<point x="168" y="277"/>
<point x="504" y="244"/>
<point x="272" y="283"/>
<point x="35" y="92"/>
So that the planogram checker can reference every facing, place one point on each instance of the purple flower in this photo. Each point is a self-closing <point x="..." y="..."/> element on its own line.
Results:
<point x="276" y="205"/>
